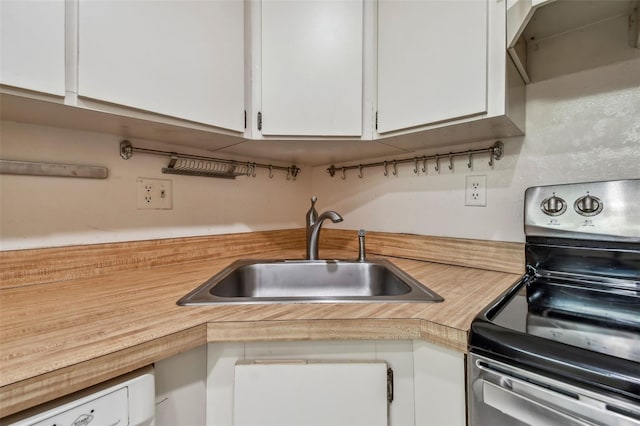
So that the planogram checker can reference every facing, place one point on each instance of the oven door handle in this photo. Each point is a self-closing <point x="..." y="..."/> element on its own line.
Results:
<point x="500" y="385"/>
<point x="549" y="406"/>
<point x="526" y="409"/>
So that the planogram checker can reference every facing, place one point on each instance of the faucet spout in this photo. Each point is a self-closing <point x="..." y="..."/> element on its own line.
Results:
<point x="314" y="235"/>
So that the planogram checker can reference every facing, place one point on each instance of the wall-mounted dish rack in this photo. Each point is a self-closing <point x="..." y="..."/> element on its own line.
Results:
<point x="495" y="151"/>
<point x="196" y="165"/>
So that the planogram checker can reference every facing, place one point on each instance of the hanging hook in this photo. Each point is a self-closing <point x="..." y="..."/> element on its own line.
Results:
<point x="437" y="163"/>
<point x="491" y="158"/>
<point x="270" y="171"/>
<point x="450" y="161"/>
<point x="386" y="172"/>
<point x="497" y="151"/>
<point x="344" y="174"/>
<point x="360" y="173"/>
<point x="126" y="149"/>
<point x="415" y="169"/>
<point x="424" y="164"/>
<point x="288" y="173"/>
<point x="395" y="168"/>
<point x="470" y="163"/>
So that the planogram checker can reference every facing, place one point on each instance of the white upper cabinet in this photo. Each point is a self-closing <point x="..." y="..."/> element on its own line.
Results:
<point x="32" y="45"/>
<point x="432" y="61"/>
<point x="183" y="59"/>
<point x="311" y="70"/>
<point x="409" y="73"/>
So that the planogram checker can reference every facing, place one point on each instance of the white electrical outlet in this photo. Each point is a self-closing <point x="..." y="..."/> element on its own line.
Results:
<point x="475" y="193"/>
<point x="154" y="194"/>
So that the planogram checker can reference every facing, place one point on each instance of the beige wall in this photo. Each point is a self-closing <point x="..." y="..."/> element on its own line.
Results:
<point x="46" y="211"/>
<point x="580" y="127"/>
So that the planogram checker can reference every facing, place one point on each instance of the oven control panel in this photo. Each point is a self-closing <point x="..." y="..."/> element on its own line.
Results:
<point x="603" y="211"/>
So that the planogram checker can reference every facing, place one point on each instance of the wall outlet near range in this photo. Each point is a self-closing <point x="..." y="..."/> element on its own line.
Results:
<point x="475" y="192"/>
<point x="154" y="194"/>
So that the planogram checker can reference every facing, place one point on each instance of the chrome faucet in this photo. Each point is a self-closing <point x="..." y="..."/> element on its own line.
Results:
<point x="313" y="230"/>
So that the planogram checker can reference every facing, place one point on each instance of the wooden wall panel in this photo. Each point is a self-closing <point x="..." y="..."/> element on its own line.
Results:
<point x="491" y="255"/>
<point x="37" y="266"/>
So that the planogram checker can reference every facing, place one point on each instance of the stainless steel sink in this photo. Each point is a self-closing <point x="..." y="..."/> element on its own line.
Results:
<point x="305" y="281"/>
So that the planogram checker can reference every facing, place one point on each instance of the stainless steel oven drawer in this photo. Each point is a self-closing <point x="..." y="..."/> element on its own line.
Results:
<point x="501" y="394"/>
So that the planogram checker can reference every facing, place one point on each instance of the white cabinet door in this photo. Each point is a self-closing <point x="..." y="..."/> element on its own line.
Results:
<point x="439" y="385"/>
<point x="428" y="380"/>
<point x="311" y="393"/>
<point x="32" y="45"/>
<point x="312" y="67"/>
<point x="179" y="58"/>
<point x="432" y="61"/>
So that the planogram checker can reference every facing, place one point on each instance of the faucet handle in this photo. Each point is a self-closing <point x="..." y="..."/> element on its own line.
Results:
<point x="361" y="250"/>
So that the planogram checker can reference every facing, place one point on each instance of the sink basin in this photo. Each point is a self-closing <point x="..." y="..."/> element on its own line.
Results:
<point x="309" y="281"/>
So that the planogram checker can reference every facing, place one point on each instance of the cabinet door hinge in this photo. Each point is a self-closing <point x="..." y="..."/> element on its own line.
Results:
<point x="259" y="120"/>
<point x="376" y="120"/>
<point x="389" y="385"/>
<point x="245" y="119"/>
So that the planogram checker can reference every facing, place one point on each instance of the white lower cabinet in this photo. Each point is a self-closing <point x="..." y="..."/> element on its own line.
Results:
<point x="428" y="380"/>
<point x="197" y="387"/>
<point x="439" y="383"/>
<point x="181" y="389"/>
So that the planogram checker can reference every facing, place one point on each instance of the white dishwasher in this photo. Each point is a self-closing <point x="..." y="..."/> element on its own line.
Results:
<point x="128" y="400"/>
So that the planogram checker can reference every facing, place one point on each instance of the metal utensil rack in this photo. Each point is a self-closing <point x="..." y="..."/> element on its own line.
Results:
<point x="196" y="165"/>
<point x="495" y="151"/>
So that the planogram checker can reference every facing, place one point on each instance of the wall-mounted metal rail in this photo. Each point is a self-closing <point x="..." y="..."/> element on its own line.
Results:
<point x="30" y="168"/>
<point x="495" y="152"/>
<point x="196" y="165"/>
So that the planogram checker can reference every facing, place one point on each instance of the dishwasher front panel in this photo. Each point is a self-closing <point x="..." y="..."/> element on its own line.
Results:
<point x="126" y="400"/>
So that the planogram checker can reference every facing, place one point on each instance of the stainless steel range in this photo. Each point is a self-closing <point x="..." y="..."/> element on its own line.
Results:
<point x="562" y="347"/>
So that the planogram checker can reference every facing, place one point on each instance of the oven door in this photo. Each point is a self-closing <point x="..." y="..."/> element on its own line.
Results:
<point x="501" y="394"/>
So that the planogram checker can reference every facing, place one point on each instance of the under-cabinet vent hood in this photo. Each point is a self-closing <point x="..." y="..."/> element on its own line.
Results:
<point x="576" y="35"/>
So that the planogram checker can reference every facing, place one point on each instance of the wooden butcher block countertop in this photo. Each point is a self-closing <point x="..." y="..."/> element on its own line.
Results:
<point x="66" y="327"/>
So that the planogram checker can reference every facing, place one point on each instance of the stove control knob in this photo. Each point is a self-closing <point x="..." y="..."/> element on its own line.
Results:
<point x="588" y="205"/>
<point x="553" y="206"/>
